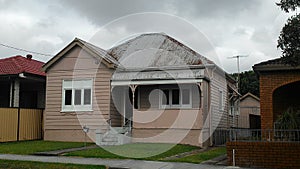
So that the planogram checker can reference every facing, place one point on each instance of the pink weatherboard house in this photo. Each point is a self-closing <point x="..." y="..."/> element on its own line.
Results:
<point x="151" y="88"/>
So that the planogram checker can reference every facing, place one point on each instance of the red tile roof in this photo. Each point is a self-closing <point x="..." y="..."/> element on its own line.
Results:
<point x="19" y="64"/>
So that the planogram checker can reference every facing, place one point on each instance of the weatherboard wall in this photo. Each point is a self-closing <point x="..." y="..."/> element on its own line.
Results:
<point x="67" y="126"/>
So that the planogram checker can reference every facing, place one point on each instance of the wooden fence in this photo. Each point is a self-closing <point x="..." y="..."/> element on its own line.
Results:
<point x="18" y="124"/>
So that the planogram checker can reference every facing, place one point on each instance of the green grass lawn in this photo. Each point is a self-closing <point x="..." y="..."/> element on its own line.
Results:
<point x="144" y="151"/>
<point x="135" y="151"/>
<point x="200" y="157"/>
<point x="9" y="164"/>
<point x="30" y="147"/>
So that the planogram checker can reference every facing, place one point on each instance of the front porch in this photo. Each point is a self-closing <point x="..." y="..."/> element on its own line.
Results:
<point x="169" y="112"/>
<point x="22" y="92"/>
<point x="22" y="100"/>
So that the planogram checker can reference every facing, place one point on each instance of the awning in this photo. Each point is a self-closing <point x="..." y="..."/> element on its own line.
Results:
<point x="155" y="81"/>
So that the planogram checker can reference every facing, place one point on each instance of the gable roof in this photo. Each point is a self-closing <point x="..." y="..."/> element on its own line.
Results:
<point x="158" y="50"/>
<point x="90" y="48"/>
<point x="19" y="64"/>
<point x="249" y="95"/>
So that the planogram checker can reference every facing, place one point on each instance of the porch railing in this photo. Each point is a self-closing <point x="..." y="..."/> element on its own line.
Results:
<point x="265" y="135"/>
<point x="221" y="136"/>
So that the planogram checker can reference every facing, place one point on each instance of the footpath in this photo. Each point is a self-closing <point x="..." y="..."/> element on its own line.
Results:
<point x="56" y="157"/>
<point x="113" y="163"/>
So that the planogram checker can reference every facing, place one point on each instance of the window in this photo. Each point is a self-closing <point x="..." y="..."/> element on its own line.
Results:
<point x="185" y="96"/>
<point x="231" y="107"/>
<point x="220" y="100"/>
<point x="175" y="98"/>
<point x="77" y="95"/>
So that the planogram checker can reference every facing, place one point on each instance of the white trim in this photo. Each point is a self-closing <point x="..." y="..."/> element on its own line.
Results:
<point x="152" y="82"/>
<point x="139" y="98"/>
<point x="124" y="106"/>
<point x="221" y="100"/>
<point x="171" y="105"/>
<point x="77" y="84"/>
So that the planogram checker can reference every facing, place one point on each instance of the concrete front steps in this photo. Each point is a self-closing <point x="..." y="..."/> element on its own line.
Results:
<point x="114" y="136"/>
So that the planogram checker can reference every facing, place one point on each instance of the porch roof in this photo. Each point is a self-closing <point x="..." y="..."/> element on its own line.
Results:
<point x="158" y="77"/>
<point x="155" y="82"/>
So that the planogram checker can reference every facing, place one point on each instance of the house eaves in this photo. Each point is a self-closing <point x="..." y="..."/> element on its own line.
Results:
<point x="273" y="65"/>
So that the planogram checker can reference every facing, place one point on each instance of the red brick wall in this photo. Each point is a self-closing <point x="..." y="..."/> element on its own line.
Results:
<point x="275" y="155"/>
<point x="269" y="82"/>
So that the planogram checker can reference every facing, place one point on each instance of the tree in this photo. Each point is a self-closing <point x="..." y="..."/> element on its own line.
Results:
<point x="288" y="5"/>
<point x="248" y="82"/>
<point x="289" y="38"/>
<point x="288" y="120"/>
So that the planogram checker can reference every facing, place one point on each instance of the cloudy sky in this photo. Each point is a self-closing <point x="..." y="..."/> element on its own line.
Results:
<point x="217" y="29"/>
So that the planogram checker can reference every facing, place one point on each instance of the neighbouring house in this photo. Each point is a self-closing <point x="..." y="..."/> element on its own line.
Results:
<point x="249" y="116"/>
<point x="22" y="98"/>
<point x="151" y="88"/>
<point x="279" y="93"/>
<point x="279" y="90"/>
<point x="22" y="82"/>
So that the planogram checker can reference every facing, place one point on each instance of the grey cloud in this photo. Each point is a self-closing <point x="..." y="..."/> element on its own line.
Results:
<point x="102" y="11"/>
<point x="226" y="26"/>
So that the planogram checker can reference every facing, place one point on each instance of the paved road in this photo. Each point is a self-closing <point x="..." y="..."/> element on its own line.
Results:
<point x="132" y="164"/>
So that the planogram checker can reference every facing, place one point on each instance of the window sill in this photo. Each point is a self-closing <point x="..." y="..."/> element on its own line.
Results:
<point x="74" y="111"/>
<point x="178" y="108"/>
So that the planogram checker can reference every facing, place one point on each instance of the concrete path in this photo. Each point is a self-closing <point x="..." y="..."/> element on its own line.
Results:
<point x="132" y="164"/>
<point x="63" y="151"/>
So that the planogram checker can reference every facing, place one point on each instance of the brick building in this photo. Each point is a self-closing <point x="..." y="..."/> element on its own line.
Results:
<point x="279" y="89"/>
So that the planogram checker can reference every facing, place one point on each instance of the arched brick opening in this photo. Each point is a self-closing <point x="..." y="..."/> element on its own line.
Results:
<point x="276" y="81"/>
<point x="284" y="97"/>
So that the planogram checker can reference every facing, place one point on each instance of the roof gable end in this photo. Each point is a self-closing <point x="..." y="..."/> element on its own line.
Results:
<point x="91" y="49"/>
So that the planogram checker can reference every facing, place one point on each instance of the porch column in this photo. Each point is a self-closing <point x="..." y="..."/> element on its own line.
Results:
<point x="200" y="86"/>
<point x="132" y="87"/>
<point x="206" y="109"/>
<point x="15" y="93"/>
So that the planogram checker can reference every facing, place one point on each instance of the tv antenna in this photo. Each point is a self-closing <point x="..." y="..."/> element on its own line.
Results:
<point x="237" y="57"/>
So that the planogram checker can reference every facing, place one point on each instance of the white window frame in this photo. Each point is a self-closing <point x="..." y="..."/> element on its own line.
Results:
<point x="77" y="84"/>
<point x="173" y="106"/>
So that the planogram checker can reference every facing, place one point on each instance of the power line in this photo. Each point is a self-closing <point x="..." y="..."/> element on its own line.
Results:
<point x="24" y="50"/>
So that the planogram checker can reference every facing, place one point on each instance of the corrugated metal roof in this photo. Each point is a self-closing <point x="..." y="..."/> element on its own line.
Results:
<point x="101" y="52"/>
<point x="156" y="50"/>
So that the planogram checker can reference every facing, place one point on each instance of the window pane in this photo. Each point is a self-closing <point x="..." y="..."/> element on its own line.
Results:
<point x="185" y="96"/>
<point x="77" y="97"/>
<point x="175" y="96"/>
<point x="68" y="97"/>
<point x="165" y="97"/>
<point x="87" y="96"/>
